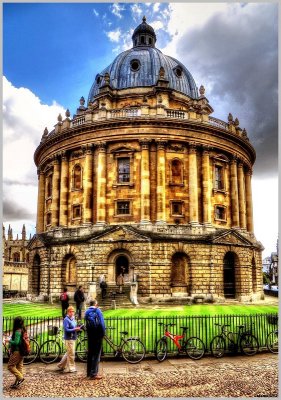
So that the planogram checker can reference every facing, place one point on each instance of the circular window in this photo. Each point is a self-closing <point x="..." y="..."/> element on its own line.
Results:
<point x="178" y="72"/>
<point x="135" y="65"/>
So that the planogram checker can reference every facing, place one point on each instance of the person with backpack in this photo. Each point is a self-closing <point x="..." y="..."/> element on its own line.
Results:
<point x="15" y="363"/>
<point x="70" y="335"/>
<point x="64" y="298"/>
<point x="95" y="331"/>
<point x="79" y="299"/>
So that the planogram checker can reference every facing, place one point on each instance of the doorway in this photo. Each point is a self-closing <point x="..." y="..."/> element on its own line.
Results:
<point x="122" y="266"/>
<point x="229" y="275"/>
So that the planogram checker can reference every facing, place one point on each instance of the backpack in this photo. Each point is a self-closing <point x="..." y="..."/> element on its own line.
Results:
<point x="63" y="297"/>
<point x="93" y="321"/>
<point x="24" y="347"/>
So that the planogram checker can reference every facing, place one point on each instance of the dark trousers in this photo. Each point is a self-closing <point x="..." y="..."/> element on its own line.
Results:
<point x="94" y="353"/>
<point x="103" y="293"/>
<point x="79" y="310"/>
<point x="64" y="307"/>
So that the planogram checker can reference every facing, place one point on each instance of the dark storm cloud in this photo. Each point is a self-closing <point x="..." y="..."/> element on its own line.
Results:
<point x="236" y="57"/>
<point x="12" y="211"/>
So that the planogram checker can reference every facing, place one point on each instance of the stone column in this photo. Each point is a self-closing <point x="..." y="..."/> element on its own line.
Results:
<point x="241" y="191"/>
<point x="88" y="185"/>
<point x="40" y="201"/>
<point x="56" y="192"/>
<point x="64" y="188"/>
<point x="145" y="181"/>
<point x="193" y="189"/>
<point x="206" y="187"/>
<point x="161" y="182"/>
<point x="234" y="193"/>
<point x="249" y="204"/>
<point x="101" y="183"/>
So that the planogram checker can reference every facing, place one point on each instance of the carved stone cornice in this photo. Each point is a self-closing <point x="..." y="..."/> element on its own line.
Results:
<point x="144" y="143"/>
<point x="161" y="144"/>
<point x="193" y="147"/>
<point x="206" y="149"/>
<point x="87" y="149"/>
<point x="177" y="148"/>
<point x="101" y="147"/>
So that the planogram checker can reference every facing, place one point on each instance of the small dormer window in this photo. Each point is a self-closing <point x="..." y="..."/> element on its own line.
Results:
<point x="135" y="65"/>
<point x="142" y="40"/>
<point x="98" y="79"/>
<point x="149" y="40"/>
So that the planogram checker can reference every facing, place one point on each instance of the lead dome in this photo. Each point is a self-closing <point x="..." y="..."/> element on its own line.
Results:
<point x="139" y="67"/>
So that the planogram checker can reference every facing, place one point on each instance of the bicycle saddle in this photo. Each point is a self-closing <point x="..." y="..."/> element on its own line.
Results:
<point x="124" y="333"/>
<point x="184" y="328"/>
<point x="241" y="326"/>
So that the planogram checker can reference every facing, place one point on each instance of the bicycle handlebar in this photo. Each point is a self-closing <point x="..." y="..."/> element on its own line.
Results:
<point x="162" y="323"/>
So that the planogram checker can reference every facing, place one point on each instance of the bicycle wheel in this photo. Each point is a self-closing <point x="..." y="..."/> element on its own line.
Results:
<point x="218" y="346"/>
<point x="133" y="350"/>
<point x="195" y="348"/>
<point x="34" y="346"/>
<point x="82" y="350"/>
<point x="161" y="350"/>
<point x="249" y="344"/>
<point x="272" y="342"/>
<point x="49" y="351"/>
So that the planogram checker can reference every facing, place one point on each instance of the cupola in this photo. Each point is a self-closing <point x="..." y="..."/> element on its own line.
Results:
<point x="144" y="35"/>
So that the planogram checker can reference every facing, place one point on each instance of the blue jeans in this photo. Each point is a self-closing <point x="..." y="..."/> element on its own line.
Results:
<point x="94" y="353"/>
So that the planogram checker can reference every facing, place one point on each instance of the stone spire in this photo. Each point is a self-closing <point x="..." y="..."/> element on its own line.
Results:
<point x="10" y="233"/>
<point x="3" y="234"/>
<point x="23" y="232"/>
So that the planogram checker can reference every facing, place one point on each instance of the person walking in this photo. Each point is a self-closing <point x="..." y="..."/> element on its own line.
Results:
<point x="79" y="299"/>
<point x="120" y="282"/>
<point x="70" y="335"/>
<point x="15" y="363"/>
<point x="64" y="298"/>
<point x="95" y="331"/>
<point x="103" y="286"/>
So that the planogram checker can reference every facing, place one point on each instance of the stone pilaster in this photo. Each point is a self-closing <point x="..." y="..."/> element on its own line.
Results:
<point x="249" y="204"/>
<point x="56" y="192"/>
<point x="64" y="187"/>
<point x="193" y="188"/>
<point x="40" y="201"/>
<point x="241" y="192"/>
<point x="88" y="185"/>
<point x="234" y="193"/>
<point x="206" y="187"/>
<point x="101" y="183"/>
<point x="145" y="181"/>
<point x="161" y="182"/>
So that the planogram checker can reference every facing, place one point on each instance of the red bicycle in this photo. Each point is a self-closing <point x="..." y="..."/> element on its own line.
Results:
<point x="192" y="346"/>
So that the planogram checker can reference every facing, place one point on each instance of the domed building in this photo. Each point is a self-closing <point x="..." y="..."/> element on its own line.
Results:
<point x="143" y="181"/>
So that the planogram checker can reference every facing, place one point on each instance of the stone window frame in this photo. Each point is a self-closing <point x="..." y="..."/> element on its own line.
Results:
<point x="116" y="201"/>
<point x="49" y="185"/>
<point x="126" y="153"/>
<point x="16" y="256"/>
<point x="73" y="218"/>
<point x="222" y="207"/>
<point x="49" y="218"/>
<point x="73" y="188"/>
<point x="221" y="162"/>
<point x="182" y="208"/>
<point x="171" y="183"/>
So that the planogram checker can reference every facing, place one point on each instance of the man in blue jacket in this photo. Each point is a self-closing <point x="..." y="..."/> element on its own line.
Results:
<point x="95" y="330"/>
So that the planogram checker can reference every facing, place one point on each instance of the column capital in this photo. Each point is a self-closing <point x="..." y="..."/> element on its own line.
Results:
<point x="101" y="146"/>
<point x="161" y="144"/>
<point x="206" y="149"/>
<point x="249" y="171"/>
<point x="40" y="170"/>
<point x="55" y="158"/>
<point x="87" y="148"/>
<point x="192" y="147"/>
<point x="63" y="155"/>
<point x="234" y="159"/>
<point x="144" y="143"/>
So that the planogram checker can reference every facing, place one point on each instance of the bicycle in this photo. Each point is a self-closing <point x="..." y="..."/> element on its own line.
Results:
<point x="131" y="349"/>
<point x="192" y="346"/>
<point x="51" y="349"/>
<point x="272" y="341"/>
<point x="245" y="341"/>
<point x="31" y="357"/>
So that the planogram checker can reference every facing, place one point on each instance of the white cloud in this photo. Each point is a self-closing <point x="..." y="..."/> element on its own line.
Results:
<point x="95" y="12"/>
<point x="116" y="10"/>
<point x="156" y="7"/>
<point x="24" y="119"/>
<point x="136" y="12"/>
<point x="157" y="24"/>
<point x="114" y="36"/>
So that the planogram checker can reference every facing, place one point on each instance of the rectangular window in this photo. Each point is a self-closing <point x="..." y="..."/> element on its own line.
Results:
<point x="123" y="170"/>
<point x="49" y="218"/>
<point x="123" y="208"/>
<point x="176" y="208"/>
<point x="220" y="213"/>
<point x="76" y="212"/>
<point x="219" y="183"/>
<point x="49" y="185"/>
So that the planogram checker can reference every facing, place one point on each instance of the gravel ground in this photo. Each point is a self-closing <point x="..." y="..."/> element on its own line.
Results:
<point x="228" y="377"/>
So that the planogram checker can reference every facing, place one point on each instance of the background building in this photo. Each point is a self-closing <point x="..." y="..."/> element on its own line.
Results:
<point x="142" y="177"/>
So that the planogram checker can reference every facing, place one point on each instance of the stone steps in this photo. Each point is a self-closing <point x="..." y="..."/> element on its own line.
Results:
<point x="122" y="300"/>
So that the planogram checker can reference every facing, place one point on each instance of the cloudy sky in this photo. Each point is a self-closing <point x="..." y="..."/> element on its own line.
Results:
<point x="52" y="53"/>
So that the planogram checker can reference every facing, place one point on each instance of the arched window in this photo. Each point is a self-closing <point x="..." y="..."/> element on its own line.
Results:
<point x="16" y="257"/>
<point x="180" y="273"/>
<point x="71" y="270"/>
<point x="176" y="171"/>
<point x="77" y="177"/>
<point x="49" y="187"/>
<point x="229" y="275"/>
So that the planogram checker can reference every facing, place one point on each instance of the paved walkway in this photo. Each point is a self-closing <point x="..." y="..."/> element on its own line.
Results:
<point x="230" y="376"/>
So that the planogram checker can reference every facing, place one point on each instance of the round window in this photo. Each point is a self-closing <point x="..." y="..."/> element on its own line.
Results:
<point x="135" y="65"/>
<point x="178" y="72"/>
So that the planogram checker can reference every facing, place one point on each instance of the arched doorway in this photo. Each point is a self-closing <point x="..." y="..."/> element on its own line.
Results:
<point x="122" y="266"/>
<point x="229" y="275"/>
<point x="254" y="276"/>
<point x="35" y="276"/>
<point x="69" y="272"/>
<point x="180" y="274"/>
